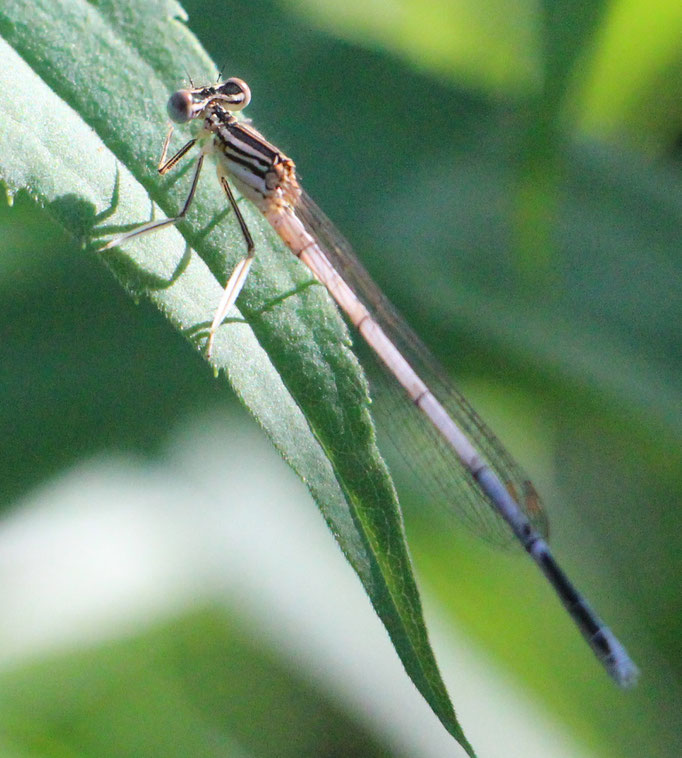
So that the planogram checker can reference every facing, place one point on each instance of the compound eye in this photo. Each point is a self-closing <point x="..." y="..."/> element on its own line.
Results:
<point x="180" y="106"/>
<point x="236" y="93"/>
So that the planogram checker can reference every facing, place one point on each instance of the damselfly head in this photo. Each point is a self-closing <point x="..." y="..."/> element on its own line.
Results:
<point x="186" y="104"/>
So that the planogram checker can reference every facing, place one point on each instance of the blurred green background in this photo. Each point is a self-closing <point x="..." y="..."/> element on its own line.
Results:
<point x="510" y="174"/>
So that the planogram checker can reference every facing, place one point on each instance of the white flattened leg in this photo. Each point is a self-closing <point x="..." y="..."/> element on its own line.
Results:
<point x="237" y="278"/>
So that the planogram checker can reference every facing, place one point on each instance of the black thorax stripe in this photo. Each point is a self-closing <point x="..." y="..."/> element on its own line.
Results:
<point x="242" y="144"/>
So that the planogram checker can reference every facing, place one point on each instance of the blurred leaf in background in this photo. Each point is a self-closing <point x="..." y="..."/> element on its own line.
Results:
<point x="193" y="686"/>
<point x="508" y="174"/>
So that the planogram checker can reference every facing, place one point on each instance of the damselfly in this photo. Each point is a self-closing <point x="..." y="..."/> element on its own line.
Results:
<point x="267" y="177"/>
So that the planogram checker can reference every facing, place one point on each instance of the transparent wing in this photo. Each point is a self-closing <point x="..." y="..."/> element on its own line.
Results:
<point x="437" y="467"/>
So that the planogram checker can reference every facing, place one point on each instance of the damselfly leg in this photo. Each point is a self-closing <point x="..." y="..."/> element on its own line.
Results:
<point x="238" y="277"/>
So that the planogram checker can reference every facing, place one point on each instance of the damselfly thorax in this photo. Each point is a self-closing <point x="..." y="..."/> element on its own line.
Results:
<point x="260" y="171"/>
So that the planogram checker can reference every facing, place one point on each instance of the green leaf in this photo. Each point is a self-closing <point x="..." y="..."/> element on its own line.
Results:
<point x="633" y="85"/>
<point x="85" y="87"/>
<point x="197" y="685"/>
<point x="491" y="45"/>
